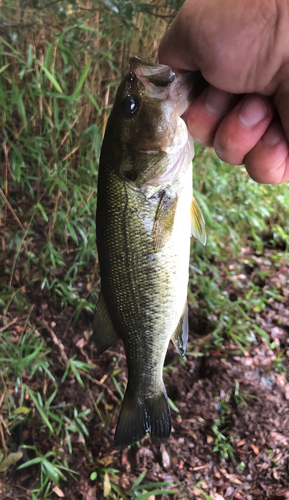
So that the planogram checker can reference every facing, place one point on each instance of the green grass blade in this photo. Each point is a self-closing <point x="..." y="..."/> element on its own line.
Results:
<point x="4" y="67"/>
<point x="81" y="81"/>
<point x="50" y="77"/>
<point x="39" y="408"/>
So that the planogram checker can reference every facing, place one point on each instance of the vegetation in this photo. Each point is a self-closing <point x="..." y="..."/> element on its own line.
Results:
<point x="59" y="68"/>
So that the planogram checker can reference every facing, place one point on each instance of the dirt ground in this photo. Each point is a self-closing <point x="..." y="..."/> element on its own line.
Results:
<point x="244" y="397"/>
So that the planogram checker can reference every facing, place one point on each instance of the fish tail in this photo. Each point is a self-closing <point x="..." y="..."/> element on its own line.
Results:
<point x="137" y="418"/>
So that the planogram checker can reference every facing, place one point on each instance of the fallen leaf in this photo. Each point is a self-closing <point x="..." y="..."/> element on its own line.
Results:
<point x="255" y="449"/>
<point x="165" y="457"/>
<point x="277" y="458"/>
<point x="90" y="494"/>
<point x="58" y="491"/>
<point x="10" y="460"/>
<point x="276" y="474"/>
<point x="22" y="409"/>
<point x="106" y="485"/>
<point x="216" y="496"/>
<point x="232" y="478"/>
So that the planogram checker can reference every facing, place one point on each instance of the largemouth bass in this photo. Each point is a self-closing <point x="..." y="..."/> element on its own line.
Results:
<point x="145" y="215"/>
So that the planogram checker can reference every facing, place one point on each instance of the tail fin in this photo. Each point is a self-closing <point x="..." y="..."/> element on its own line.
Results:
<point x="137" y="418"/>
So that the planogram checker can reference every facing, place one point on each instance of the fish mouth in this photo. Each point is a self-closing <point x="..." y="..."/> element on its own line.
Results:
<point x="162" y="82"/>
<point x="157" y="74"/>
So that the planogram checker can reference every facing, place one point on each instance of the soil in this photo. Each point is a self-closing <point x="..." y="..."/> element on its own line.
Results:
<point x="243" y="396"/>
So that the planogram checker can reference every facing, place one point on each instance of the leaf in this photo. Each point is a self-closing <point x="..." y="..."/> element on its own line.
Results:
<point x="39" y="408"/>
<point x="106" y="485"/>
<point x="58" y="491"/>
<point x="138" y="480"/>
<point x="30" y="56"/>
<point x="51" y="77"/>
<point x="41" y="208"/>
<point x="4" y="67"/>
<point x="54" y="473"/>
<point x="81" y="81"/>
<point x="173" y="406"/>
<point x="48" y="55"/>
<point x="72" y="232"/>
<point x="34" y="461"/>
<point x="21" y="409"/>
<point x="10" y="460"/>
<point x="94" y="102"/>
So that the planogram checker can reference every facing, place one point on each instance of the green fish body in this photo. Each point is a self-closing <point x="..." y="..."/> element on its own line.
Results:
<point x="143" y="224"/>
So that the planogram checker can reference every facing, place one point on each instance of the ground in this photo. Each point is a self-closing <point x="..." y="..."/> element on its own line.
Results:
<point x="230" y="436"/>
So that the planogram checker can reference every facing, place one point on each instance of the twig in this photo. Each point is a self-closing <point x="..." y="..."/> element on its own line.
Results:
<point x="7" y="326"/>
<point x="66" y="135"/>
<point x="56" y="341"/>
<point x="11" y="210"/>
<point x="26" y="323"/>
<point x="2" y="434"/>
<point x="101" y="384"/>
<point x="22" y="241"/>
<point x="71" y="153"/>
<point x="5" y="177"/>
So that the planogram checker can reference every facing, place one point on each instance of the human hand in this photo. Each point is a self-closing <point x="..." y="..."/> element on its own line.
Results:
<point x="242" y="51"/>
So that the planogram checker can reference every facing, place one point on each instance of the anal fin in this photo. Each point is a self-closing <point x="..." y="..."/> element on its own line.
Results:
<point x="180" y="335"/>
<point x="104" y="334"/>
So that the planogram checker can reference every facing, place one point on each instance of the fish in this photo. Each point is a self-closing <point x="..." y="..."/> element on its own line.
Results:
<point x="145" y="216"/>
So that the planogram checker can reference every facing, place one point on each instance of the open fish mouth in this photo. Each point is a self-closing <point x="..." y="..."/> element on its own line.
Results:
<point x="161" y="82"/>
<point x="158" y="74"/>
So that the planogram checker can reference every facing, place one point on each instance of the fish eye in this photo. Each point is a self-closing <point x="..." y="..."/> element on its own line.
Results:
<point x="130" y="104"/>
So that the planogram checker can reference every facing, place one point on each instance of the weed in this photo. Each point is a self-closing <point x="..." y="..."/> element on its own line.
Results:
<point x="222" y="442"/>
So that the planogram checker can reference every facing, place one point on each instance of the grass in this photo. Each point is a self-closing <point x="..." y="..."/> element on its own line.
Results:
<point x="56" y="95"/>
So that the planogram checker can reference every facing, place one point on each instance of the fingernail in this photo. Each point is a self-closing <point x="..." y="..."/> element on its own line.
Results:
<point x="273" y="135"/>
<point x="216" y="101"/>
<point x="252" y="111"/>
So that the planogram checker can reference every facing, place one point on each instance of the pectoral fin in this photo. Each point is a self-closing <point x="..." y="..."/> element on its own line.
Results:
<point x="164" y="221"/>
<point x="197" y="222"/>
<point x="180" y="335"/>
<point x="104" y="334"/>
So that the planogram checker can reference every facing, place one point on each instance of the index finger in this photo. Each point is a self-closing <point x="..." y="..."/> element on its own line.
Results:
<point x="174" y="50"/>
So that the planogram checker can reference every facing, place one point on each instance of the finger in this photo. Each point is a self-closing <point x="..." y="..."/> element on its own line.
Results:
<point x="268" y="161"/>
<point x="206" y="112"/>
<point x="242" y="128"/>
